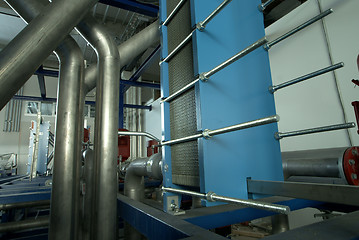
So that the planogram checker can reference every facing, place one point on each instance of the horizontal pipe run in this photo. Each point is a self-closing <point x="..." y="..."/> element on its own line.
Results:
<point x="274" y="88"/>
<point x="297" y="29"/>
<point x="141" y="134"/>
<point x="210" y="196"/>
<point x="182" y="90"/>
<point x="39" y="99"/>
<point x="209" y="133"/>
<point x="7" y="206"/>
<point x="204" y="76"/>
<point x="280" y="135"/>
<point x="174" y="12"/>
<point x="236" y="57"/>
<point x="179" y="47"/>
<point x="202" y="25"/>
<point x="265" y="5"/>
<point x="24" y="224"/>
<point x="141" y="84"/>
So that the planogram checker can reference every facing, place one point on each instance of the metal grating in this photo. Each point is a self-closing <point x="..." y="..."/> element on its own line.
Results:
<point x="183" y="116"/>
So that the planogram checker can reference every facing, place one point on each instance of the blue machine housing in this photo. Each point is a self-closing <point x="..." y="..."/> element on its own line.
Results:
<point x="236" y="94"/>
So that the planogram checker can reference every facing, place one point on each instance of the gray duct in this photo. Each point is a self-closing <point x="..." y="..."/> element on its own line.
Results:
<point x="107" y="95"/>
<point x="65" y="194"/>
<point x="26" y="52"/>
<point x="89" y="172"/>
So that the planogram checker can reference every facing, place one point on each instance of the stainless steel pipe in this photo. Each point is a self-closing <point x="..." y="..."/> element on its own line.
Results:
<point x="66" y="183"/>
<point x="325" y="163"/>
<point x="107" y="95"/>
<point x="40" y="222"/>
<point x="140" y="134"/>
<point x="128" y="50"/>
<point x="274" y="88"/>
<point x="25" y="53"/>
<point x="297" y="29"/>
<point x="7" y="206"/>
<point x="210" y="196"/>
<point x="136" y="170"/>
<point x="89" y="204"/>
<point x="209" y="133"/>
<point x="202" y="24"/>
<point x="280" y="135"/>
<point x="135" y="186"/>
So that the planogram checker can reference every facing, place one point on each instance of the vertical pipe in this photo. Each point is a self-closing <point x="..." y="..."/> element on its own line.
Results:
<point x="88" y="201"/>
<point x="106" y="122"/>
<point x="65" y="196"/>
<point x="23" y="55"/>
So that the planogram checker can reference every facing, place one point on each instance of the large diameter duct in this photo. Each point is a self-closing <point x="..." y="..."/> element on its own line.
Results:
<point x="107" y="95"/>
<point x="128" y="50"/>
<point x="65" y="191"/>
<point x="27" y="51"/>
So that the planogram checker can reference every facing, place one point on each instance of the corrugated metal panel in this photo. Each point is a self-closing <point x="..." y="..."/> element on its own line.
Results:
<point x="185" y="170"/>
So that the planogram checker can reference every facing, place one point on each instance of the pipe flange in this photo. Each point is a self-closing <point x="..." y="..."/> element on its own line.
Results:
<point x="202" y="77"/>
<point x="209" y="196"/>
<point x="206" y="134"/>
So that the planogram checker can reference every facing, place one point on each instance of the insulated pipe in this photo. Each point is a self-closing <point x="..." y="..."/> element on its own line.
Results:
<point x="26" y="52"/>
<point x="128" y="50"/>
<point x="66" y="183"/>
<point x="107" y="95"/>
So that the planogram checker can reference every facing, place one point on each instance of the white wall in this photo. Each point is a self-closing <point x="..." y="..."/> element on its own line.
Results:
<point x="315" y="102"/>
<point x="153" y="119"/>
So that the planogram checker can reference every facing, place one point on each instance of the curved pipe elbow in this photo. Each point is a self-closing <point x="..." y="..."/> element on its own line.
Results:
<point x="139" y="168"/>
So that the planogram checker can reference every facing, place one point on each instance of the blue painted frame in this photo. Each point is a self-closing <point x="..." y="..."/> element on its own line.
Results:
<point x="236" y="94"/>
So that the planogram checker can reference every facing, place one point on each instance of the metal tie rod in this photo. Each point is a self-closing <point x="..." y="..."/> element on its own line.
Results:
<point x="274" y="88"/>
<point x="297" y="29"/>
<point x="280" y="135"/>
<point x="202" y="24"/>
<point x="265" y="5"/>
<point x="174" y="12"/>
<point x="209" y="133"/>
<point x="205" y="76"/>
<point x="141" y="134"/>
<point x="179" y="47"/>
<point x="211" y="196"/>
